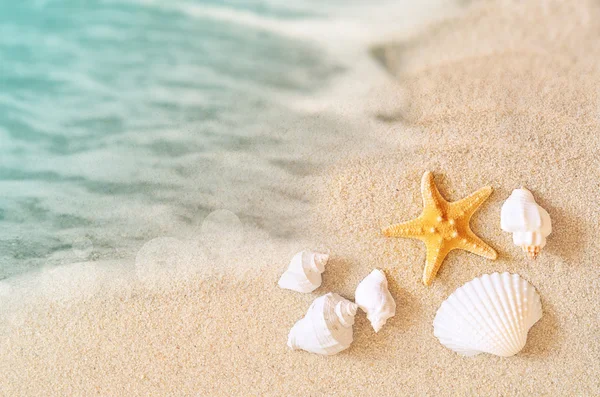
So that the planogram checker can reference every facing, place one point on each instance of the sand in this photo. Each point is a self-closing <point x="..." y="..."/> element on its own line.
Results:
<point x="505" y="95"/>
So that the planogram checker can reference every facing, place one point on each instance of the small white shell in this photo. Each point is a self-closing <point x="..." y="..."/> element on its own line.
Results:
<point x="529" y="223"/>
<point x="374" y="298"/>
<point x="327" y="326"/>
<point x="490" y="314"/>
<point x="304" y="272"/>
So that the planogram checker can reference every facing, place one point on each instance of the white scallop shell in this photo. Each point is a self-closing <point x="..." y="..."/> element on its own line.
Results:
<point x="327" y="326"/>
<point x="529" y="223"/>
<point x="490" y="314"/>
<point x="304" y="272"/>
<point x="372" y="296"/>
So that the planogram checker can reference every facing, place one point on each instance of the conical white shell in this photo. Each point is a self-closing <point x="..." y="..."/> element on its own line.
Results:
<point x="372" y="296"/>
<point x="529" y="223"/>
<point x="326" y="328"/>
<point x="490" y="314"/>
<point x="304" y="272"/>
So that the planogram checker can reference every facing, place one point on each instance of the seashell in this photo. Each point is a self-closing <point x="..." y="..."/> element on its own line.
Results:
<point x="327" y="326"/>
<point x="529" y="223"/>
<point x="490" y="314"/>
<point x="304" y="272"/>
<point x="374" y="298"/>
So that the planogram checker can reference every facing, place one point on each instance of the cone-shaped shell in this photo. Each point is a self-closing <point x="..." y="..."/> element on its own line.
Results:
<point x="520" y="212"/>
<point x="304" y="272"/>
<point x="529" y="223"/>
<point x="327" y="326"/>
<point x="490" y="314"/>
<point x="372" y="296"/>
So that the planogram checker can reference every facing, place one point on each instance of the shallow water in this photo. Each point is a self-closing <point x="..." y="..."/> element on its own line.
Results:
<point x="124" y="121"/>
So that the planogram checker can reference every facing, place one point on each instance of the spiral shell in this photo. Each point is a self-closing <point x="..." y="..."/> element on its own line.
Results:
<point x="304" y="272"/>
<point x="374" y="298"/>
<point x="529" y="223"/>
<point x="327" y="326"/>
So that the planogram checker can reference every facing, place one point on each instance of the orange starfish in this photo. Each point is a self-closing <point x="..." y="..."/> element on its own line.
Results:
<point x="444" y="226"/>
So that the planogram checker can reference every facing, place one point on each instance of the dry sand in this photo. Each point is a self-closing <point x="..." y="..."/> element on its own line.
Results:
<point x="507" y="96"/>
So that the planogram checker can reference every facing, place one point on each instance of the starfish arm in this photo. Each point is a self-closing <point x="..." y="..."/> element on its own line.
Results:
<point x="477" y="246"/>
<point x="410" y="229"/>
<point x="443" y="226"/>
<point x="432" y="199"/>
<point x="436" y="253"/>
<point x="470" y="204"/>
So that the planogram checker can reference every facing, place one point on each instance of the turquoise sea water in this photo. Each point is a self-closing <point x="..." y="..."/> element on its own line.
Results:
<point x="121" y="121"/>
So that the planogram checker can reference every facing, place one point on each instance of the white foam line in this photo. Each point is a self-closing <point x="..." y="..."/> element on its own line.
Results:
<point x="311" y="28"/>
<point x="343" y="32"/>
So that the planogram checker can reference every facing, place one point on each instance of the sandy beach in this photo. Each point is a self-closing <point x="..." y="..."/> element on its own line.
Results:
<point x="505" y="95"/>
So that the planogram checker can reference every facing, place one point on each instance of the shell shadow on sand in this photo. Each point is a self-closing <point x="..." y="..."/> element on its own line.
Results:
<point x="408" y="310"/>
<point x="544" y="337"/>
<point x="335" y="277"/>
<point x="565" y="245"/>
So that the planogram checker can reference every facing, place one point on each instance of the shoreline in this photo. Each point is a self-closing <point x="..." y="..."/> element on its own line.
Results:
<point x="104" y="203"/>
